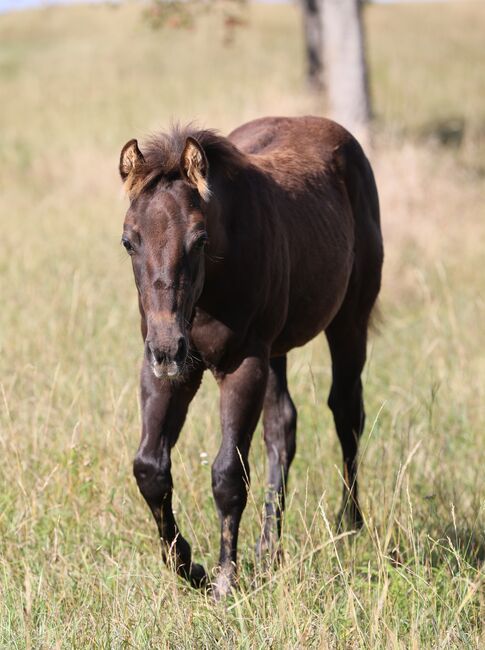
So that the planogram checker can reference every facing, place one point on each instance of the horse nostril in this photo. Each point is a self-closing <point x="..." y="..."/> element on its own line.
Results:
<point x="181" y="349"/>
<point x="157" y="354"/>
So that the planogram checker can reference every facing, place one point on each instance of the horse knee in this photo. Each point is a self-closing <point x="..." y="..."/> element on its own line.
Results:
<point x="153" y="478"/>
<point x="229" y="477"/>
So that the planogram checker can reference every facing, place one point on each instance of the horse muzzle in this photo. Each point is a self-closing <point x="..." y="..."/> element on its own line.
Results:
<point x="167" y="361"/>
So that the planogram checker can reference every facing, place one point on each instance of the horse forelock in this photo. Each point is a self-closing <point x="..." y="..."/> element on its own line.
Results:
<point x="162" y="153"/>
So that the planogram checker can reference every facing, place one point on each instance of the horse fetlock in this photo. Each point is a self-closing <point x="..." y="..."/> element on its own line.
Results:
<point x="268" y="544"/>
<point x="224" y="582"/>
<point x="177" y="555"/>
<point x="349" y="516"/>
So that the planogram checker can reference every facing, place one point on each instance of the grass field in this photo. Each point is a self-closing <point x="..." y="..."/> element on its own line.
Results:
<point x="80" y="564"/>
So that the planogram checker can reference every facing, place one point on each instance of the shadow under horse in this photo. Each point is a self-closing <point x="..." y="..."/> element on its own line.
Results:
<point x="243" y="248"/>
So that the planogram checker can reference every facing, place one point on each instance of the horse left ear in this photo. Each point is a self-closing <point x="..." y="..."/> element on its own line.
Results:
<point x="130" y="158"/>
<point x="195" y="168"/>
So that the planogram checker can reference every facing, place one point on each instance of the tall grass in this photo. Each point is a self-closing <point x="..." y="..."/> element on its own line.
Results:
<point x="80" y="563"/>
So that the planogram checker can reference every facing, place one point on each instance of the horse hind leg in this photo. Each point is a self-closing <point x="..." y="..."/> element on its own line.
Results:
<point x="279" y="426"/>
<point x="348" y="353"/>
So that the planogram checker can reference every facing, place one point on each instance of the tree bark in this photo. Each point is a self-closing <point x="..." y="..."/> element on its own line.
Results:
<point x="312" y="29"/>
<point x="345" y="65"/>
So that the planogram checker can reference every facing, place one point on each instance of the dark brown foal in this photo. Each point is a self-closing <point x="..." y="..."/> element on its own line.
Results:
<point x="242" y="249"/>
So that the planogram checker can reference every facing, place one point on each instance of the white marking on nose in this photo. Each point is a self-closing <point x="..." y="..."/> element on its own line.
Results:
<point x="160" y="370"/>
<point x="172" y="369"/>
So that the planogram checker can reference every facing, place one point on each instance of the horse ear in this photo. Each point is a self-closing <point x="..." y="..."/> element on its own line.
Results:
<point x="130" y="158"/>
<point x="195" y="168"/>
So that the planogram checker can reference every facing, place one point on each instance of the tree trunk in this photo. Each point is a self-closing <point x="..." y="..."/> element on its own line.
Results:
<point x="312" y="28"/>
<point x="345" y="66"/>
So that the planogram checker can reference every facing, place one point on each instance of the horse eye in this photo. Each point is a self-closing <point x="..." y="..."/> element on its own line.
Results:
<point x="201" y="242"/>
<point x="127" y="244"/>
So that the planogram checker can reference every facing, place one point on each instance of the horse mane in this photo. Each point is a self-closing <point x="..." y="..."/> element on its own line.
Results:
<point x="162" y="153"/>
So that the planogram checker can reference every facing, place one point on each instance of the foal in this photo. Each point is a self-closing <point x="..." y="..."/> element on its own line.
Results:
<point x="242" y="249"/>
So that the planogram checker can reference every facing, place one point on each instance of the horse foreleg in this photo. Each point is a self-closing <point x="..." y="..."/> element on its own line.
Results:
<point x="164" y="408"/>
<point x="242" y="394"/>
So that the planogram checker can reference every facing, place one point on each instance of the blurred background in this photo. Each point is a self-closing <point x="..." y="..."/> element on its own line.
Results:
<point x="80" y="563"/>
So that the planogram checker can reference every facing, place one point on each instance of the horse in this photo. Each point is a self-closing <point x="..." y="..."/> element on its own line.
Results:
<point x="243" y="248"/>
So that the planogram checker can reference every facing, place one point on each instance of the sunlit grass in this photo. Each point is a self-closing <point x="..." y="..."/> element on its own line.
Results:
<point x="80" y="563"/>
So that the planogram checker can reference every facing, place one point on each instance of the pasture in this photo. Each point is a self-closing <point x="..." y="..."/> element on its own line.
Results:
<point x="80" y="563"/>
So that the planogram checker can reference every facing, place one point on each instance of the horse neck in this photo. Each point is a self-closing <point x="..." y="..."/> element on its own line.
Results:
<point x="239" y="224"/>
<point x="219" y="225"/>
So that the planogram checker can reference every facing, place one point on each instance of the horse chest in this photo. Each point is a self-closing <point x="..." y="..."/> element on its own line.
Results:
<point x="214" y="340"/>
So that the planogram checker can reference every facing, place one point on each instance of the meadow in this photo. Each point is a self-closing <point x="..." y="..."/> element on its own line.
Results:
<point x="80" y="564"/>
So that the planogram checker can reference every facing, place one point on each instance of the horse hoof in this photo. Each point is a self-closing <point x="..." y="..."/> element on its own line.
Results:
<point x="198" y="577"/>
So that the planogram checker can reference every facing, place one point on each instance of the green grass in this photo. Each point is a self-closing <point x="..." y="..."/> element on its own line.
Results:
<point x="80" y="563"/>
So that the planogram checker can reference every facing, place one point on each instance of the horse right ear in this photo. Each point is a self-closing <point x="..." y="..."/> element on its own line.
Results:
<point x="130" y="158"/>
<point x="195" y="168"/>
